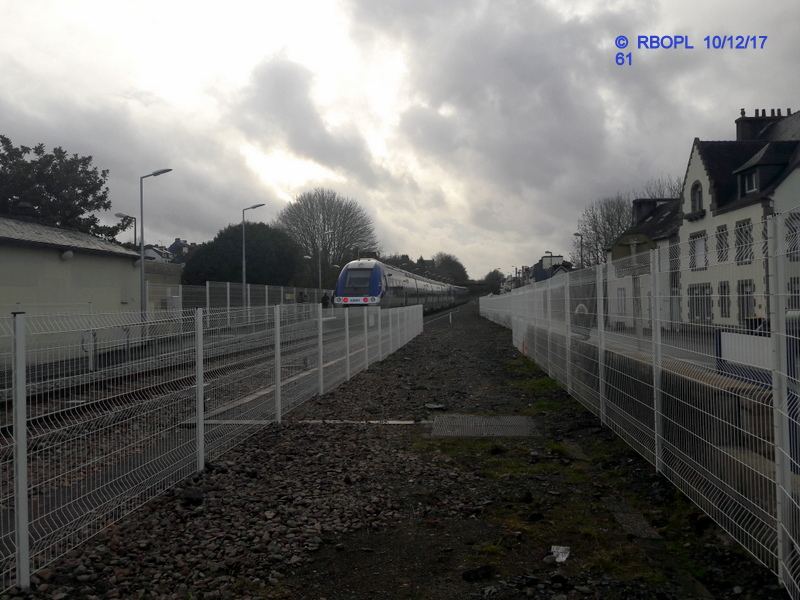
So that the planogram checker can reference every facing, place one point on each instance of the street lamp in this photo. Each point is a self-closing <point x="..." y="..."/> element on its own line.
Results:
<point x="580" y="235"/>
<point x="142" y="289"/>
<point x="124" y="216"/>
<point x="244" y="258"/>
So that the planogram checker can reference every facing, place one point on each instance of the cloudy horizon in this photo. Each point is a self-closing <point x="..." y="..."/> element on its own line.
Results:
<point x="475" y="128"/>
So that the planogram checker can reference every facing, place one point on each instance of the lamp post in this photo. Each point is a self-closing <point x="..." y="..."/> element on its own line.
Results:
<point x="143" y="290"/>
<point x="124" y="216"/>
<point x="319" y="259"/>
<point x="580" y="235"/>
<point x="244" y="258"/>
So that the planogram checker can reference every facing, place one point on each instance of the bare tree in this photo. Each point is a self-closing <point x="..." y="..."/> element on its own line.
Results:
<point x="327" y="227"/>
<point x="666" y="186"/>
<point x="600" y="224"/>
<point x="605" y="219"/>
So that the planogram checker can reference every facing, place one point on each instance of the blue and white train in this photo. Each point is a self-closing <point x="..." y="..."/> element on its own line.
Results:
<point x="368" y="282"/>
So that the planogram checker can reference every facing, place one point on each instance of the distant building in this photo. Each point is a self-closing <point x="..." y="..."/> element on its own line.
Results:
<point x="548" y="266"/>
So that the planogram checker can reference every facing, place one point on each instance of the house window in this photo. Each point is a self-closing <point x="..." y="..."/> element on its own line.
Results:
<point x="793" y="301"/>
<point x="746" y="300"/>
<point x="697" y="197"/>
<point x="698" y="251"/>
<point x="722" y="244"/>
<point x="743" y="238"/>
<point x="749" y="182"/>
<point x="700" y="305"/>
<point x="793" y="237"/>
<point x="724" y="299"/>
<point x="621" y="301"/>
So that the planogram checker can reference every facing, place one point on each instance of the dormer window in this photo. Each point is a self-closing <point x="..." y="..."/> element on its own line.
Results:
<point x="749" y="182"/>
<point x="697" y="197"/>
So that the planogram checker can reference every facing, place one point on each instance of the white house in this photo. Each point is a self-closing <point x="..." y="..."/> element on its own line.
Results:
<point x="713" y="260"/>
<point x="730" y="189"/>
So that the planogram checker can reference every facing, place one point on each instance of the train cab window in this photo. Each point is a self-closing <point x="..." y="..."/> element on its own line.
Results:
<point x="357" y="280"/>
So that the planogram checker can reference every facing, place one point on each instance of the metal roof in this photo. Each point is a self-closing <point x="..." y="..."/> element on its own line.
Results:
<point x="35" y="234"/>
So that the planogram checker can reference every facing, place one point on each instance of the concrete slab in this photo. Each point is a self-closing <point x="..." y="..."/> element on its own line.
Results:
<point x="481" y="426"/>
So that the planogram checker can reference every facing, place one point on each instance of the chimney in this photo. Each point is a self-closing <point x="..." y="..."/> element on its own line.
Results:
<point x="749" y="128"/>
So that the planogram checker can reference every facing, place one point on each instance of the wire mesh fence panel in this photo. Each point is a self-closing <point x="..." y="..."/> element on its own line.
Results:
<point x="239" y="378"/>
<point x="628" y="355"/>
<point x="98" y="448"/>
<point x="333" y="349"/>
<point x="219" y="295"/>
<point x="299" y="354"/>
<point x="372" y="338"/>
<point x="193" y="296"/>
<point x="356" y="321"/>
<point x="583" y="331"/>
<point x="257" y="295"/>
<point x="690" y="352"/>
<point x="115" y="414"/>
<point x="558" y="346"/>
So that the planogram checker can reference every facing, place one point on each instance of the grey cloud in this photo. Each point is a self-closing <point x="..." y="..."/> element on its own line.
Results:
<point x="276" y="109"/>
<point x="204" y="193"/>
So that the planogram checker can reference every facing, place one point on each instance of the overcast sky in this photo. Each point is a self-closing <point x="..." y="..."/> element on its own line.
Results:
<point x="480" y="128"/>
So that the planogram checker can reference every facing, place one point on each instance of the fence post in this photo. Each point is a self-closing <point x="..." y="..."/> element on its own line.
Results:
<point x="19" y="384"/>
<point x="228" y="301"/>
<point x="208" y="304"/>
<point x="601" y="344"/>
<point x="785" y="447"/>
<point x="277" y="363"/>
<point x="380" y="335"/>
<point x="320" y="356"/>
<point x="366" y="339"/>
<point x="549" y="323"/>
<point x="531" y="317"/>
<point x="655" y="310"/>
<point x="347" y="344"/>
<point x="200" y="404"/>
<point x="568" y="323"/>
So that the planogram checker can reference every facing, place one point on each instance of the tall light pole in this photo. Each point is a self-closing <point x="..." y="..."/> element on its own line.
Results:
<point x="319" y="259"/>
<point x="244" y="258"/>
<point x="580" y="235"/>
<point x="143" y="289"/>
<point x="124" y="216"/>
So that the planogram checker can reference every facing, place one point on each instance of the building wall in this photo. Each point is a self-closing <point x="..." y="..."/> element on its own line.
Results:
<point x="32" y="276"/>
<point x="704" y="277"/>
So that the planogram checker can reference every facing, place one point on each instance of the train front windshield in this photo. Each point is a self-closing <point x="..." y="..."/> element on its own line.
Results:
<point x="357" y="283"/>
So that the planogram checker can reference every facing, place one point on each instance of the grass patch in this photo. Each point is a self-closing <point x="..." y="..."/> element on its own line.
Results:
<point x="537" y="387"/>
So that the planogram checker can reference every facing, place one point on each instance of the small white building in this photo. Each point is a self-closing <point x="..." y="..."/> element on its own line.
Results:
<point x="47" y="269"/>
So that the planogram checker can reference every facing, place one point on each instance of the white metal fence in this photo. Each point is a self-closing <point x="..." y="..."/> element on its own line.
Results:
<point x="227" y="295"/>
<point x="100" y="413"/>
<point x="213" y="295"/>
<point x="690" y="354"/>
